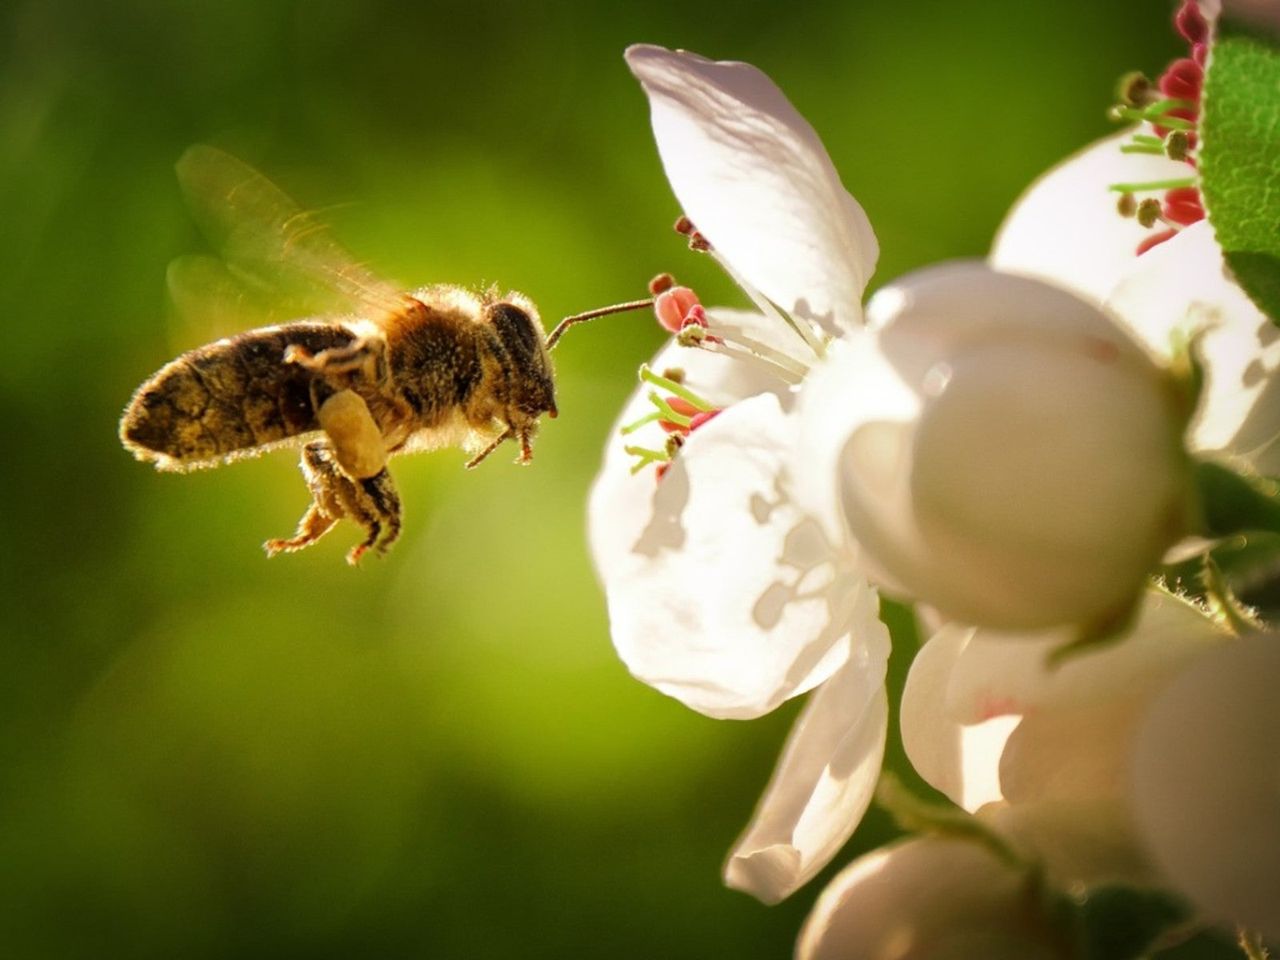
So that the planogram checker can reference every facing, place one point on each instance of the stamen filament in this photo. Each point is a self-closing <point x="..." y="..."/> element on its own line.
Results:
<point x="1142" y="148"/>
<point x="1147" y="139"/>
<point x="764" y="352"/>
<point x="680" y="390"/>
<point x="1153" y="185"/>
<point x="774" y="368"/>
<point x="769" y="310"/>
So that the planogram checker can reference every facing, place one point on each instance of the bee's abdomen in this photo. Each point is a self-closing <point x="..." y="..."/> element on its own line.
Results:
<point x="227" y="398"/>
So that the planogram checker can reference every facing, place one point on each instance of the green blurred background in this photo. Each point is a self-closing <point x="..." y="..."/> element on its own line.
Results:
<point x="206" y="754"/>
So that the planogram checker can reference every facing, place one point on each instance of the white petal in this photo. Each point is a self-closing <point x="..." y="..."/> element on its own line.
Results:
<point x="960" y="759"/>
<point x="1065" y="228"/>
<point x="1207" y="783"/>
<point x="621" y="504"/>
<point x="1180" y="287"/>
<point x="967" y="440"/>
<point x="929" y="898"/>
<point x="723" y="594"/>
<point x="826" y="777"/>
<point x="752" y="175"/>
<point x="1007" y="672"/>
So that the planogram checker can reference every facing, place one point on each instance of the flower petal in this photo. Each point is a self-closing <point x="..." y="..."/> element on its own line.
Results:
<point x="1181" y="287"/>
<point x="940" y="437"/>
<point x="1207" y="785"/>
<point x="826" y="777"/>
<point x="930" y="898"/>
<point x="960" y="759"/>
<point x="1065" y="228"/>
<point x="754" y="178"/>
<point x="721" y="593"/>
<point x="626" y="502"/>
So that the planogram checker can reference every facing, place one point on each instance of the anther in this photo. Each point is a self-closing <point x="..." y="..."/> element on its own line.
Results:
<point x="1182" y="80"/>
<point x="673" y="305"/>
<point x="698" y="242"/>
<point x="1176" y="145"/>
<point x="701" y="418"/>
<point x="683" y="225"/>
<point x="1134" y="89"/>
<point x="1191" y="22"/>
<point x="1127" y="205"/>
<point x="1149" y="212"/>
<point x="1183" y="206"/>
<point x="661" y="284"/>
<point x="691" y="335"/>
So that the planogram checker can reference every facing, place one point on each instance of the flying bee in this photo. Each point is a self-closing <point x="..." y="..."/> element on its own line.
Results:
<point x="383" y="372"/>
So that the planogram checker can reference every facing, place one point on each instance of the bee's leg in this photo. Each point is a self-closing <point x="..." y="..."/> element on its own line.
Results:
<point x="372" y="503"/>
<point x="365" y="356"/>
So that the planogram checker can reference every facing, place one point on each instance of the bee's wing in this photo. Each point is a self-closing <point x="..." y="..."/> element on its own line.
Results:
<point x="270" y="243"/>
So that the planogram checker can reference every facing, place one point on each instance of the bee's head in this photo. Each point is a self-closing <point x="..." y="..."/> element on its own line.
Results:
<point x="531" y="388"/>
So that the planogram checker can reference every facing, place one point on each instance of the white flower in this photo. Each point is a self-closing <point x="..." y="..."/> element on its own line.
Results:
<point x="1065" y="230"/>
<point x="1044" y="752"/>
<point x="931" y="899"/>
<point x="999" y="449"/>
<point x="1108" y="767"/>
<point x="722" y="591"/>
<point x="1206" y="781"/>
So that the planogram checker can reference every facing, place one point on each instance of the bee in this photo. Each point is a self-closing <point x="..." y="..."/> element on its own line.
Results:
<point x="386" y="371"/>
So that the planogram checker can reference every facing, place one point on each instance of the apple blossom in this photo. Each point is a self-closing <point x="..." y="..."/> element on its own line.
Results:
<point x="933" y="898"/>
<point x="1206" y="783"/>
<point x="1044" y="753"/>
<point x="999" y="449"/>
<point x="722" y="591"/>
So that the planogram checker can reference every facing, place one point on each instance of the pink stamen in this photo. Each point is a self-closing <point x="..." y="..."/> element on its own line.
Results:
<point x="683" y="407"/>
<point x="1191" y="22"/>
<point x="1182" y="80"/>
<point x="673" y="306"/>
<point x="1155" y="240"/>
<point x="702" y="418"/>
<point x="1182" y="205"/>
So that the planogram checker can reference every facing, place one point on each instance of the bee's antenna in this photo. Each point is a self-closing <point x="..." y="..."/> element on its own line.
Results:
<point x="568" y="322"/>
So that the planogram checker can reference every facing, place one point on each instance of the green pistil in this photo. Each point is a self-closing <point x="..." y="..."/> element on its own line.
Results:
<point x="645" y="456"/>
<point x="1156" y="149"/>
<point x="635" y="425"/>
<point x="680" y="390"/>
<point x="667" y="412"/>
<point x="1157" y="113"/>
<point x="1153" y="185"/>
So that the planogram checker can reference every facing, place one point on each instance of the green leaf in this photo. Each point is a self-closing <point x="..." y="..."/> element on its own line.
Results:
<point x="1240" y="159"/>
<point x="1232" y="503"/>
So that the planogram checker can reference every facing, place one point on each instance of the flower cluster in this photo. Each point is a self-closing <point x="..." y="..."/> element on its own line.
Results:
<point x="1017" y="446"/>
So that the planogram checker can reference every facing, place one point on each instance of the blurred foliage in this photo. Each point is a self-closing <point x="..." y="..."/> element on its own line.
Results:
<point x="205" y="754"/>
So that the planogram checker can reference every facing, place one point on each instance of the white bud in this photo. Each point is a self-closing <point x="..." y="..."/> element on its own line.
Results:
<point x="931" y="899"/>
<point x="999" y="449"/>
<point x="1207" y="783"/>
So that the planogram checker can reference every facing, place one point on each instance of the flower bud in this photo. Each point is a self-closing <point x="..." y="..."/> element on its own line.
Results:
<point x="1207" y="783"/>
<point x="931" y="899"/>
<point x="998" y="449"/>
